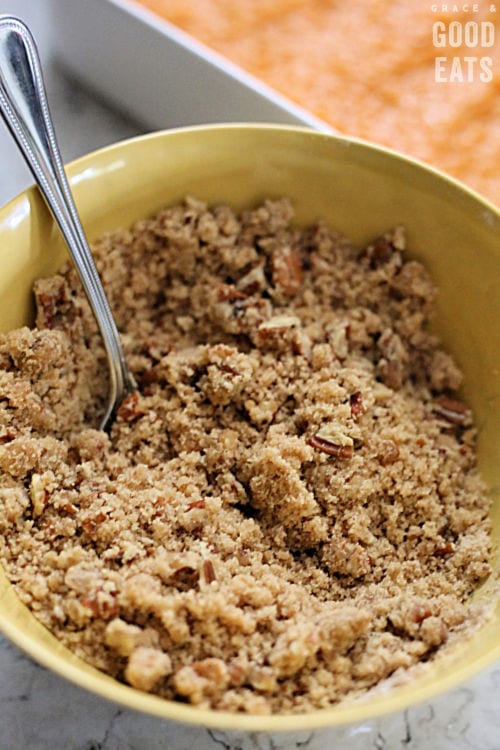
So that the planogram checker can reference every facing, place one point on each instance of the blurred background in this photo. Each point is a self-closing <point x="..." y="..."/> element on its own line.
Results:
<point x="84" y="122"/>
<point x="416" y="76"/>
<point x="420" y="77"/>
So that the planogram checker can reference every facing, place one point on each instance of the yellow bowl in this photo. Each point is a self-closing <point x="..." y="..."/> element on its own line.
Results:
<point x="360" y="189"/>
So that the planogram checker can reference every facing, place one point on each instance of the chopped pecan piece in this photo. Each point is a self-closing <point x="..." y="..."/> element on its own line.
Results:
<point x="356" y="403"/>
<point x="287" y="270"/>
<point x="342" y="449"/>
<point x="419" y="613"/>
<point x="379" y="252"/>
<point x="392" y="367"/>
<point x="148" y="377"/>
<point x="451" y="410"/>
<point x="253" y="282"/>
<point x="89" y="525"/>
<point x="47" y="309"/>
<point x="278" y="324"/>
<point x="208" y="571"/>
<point x="129" y="409"/>
<point x="54" y="305"/>
<point x="200" y="504"/>
<point x="389" y="452"/>
<point x="229" y="293"/>
<point x="445" y="550"/>
<point x="7" y="434"/>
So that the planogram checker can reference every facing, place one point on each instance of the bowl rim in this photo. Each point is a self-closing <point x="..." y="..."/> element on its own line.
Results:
<point x="457" y="185"/>
<point x="351" y="712"/>
<point x="342" y="139"/>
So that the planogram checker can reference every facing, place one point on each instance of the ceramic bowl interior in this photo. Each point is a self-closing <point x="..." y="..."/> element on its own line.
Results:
<point x="360" y="190"/>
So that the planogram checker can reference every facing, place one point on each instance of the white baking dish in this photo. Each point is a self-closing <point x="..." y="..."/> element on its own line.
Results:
<point x="158" y="74"/>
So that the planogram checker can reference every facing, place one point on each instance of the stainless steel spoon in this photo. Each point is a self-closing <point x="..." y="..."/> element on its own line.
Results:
<point x="24" y="107"/>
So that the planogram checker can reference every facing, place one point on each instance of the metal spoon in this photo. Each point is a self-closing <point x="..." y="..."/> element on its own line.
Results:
<point x="23" y="105"/>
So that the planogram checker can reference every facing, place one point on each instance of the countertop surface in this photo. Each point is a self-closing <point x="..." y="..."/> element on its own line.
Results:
<point x="40" y="711"/>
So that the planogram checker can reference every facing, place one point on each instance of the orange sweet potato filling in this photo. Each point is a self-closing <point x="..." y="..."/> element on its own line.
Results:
<point x="369" y="69"/>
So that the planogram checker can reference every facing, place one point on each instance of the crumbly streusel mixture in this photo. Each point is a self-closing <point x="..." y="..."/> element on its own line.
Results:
<point x="288" y="511"/>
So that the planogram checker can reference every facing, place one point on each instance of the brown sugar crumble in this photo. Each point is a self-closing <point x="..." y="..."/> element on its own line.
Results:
<point x="288" y="511"/>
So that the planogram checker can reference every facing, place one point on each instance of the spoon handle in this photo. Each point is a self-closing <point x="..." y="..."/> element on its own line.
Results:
<point x="23" y="104"/>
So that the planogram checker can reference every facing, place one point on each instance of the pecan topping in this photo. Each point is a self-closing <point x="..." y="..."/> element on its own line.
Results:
<point x="7" y="434"/>
<point x="278" y="324"/>
<point x="328" y="446"/>
<point x="356" y="403"/>
<point x="47" y="308"/>
<point x="381" y="252"/>
<point x="392" y="367"/>
<point x="420" y="613"/>
<point x="287" y="270"/>
<point x="208" y="571"/>
<point x="129" y="408"/>
<point x="200" y="504"/>
<point x="444" y="551"/>
<point x="253" y="282"/>
<point x="451" y="410"/>
<point x="89" y="525"/>
<point x="150" y="376"/>
<point x="389" y="453"/>
<point x="378" y="253"/>
<point x="229" y="293"/>
<point x="54" y="304"/>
